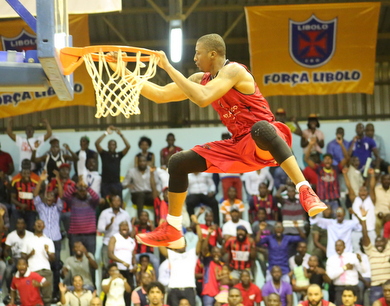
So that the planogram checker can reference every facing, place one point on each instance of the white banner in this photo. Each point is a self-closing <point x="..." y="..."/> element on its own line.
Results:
<point x="74" y="7"/>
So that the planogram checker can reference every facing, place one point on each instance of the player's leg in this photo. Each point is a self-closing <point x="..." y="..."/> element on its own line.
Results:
<point x="267" y="139"/>
<point x="169" y="234"/>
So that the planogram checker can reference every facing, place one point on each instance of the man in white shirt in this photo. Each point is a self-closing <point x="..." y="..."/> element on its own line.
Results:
<point x="109" y="221"/>
<point x="182" y="284"/>
<point x="301" y="250"/>
<point x="88" y="169"/>
<point x="137" y="179"/>
<point x="337" y="229"/>
<point x="343" y="268"/>
<point x="253" y="179"/>
<point x="39" y="251"/>
<point x="13" y="246"/>
<point x="229" y="229"/>
<point x="201" y="190"/>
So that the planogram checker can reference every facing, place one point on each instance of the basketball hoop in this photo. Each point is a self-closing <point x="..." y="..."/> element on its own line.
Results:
<point x="120" y="92"/>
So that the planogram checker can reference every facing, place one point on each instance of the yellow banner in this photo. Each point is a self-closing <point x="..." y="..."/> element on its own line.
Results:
<point x="16" y="35"/>
<point x="313" y="49"/>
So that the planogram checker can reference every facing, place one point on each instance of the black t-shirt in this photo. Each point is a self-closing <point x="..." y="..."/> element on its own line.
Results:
<point x="111" y="166"/>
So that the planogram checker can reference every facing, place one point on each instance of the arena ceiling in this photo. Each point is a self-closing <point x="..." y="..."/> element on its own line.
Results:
<point x="145" y="23"/>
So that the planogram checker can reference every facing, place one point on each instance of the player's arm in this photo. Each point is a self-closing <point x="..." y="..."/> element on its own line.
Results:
<point x="202" y="95"/>
<point x="10" y="132"/>
<point x="163" y="94"/>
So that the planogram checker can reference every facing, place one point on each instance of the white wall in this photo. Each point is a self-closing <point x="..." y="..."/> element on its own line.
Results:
<point x="185" y="138"/>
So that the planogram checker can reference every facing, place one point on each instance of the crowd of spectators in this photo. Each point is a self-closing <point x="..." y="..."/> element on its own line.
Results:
<point x="249" y="244"/>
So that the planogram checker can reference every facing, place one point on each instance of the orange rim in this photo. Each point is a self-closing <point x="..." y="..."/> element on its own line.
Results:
<point x="72" y="57"/>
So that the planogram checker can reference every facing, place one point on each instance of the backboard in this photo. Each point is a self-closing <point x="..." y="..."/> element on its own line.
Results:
<point x="52" y="32"/>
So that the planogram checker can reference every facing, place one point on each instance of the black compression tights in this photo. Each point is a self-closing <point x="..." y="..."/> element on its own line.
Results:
<point x="180" y="164"/>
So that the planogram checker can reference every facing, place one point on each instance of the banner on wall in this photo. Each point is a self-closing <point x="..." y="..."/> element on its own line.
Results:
<point x="17" y="35"/>
<point x="313" y="49"/>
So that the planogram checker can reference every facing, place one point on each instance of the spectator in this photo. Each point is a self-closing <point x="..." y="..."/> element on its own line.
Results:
<point x="40" y="251"/>
<point x="234" y="298"/>
<point x="274" y="300"/>
<point x="293" y="124"/>
<point x="138" y="296"/>
<point x="78" y="296"/>
<point x="315" y="297"/>
<point x="111" y="163"/>
<point x="253" y="180"/>
<point x="5" y="199"/>
<point x="27" y="283"/>
<point x="262" y="249"/>
<point x="328" y="188"/>
<point x="144" y="266"/>
<point x="312" y="132"/>
<point x="115" y="286"/>
<point x="301" y="250"/>
<point x="144" y="144"/>
<point x="90" y="154"/>
<point x="320" y="237"/>
<point x="184" y="302"/>
<point x="210" y="231"/>
<point x="355" y="179"/>
<point x="291" y="210"/>
<point x="109" y="221"/>
<point x="25" y="145"/>
<point x="145" y="226"/>
<point x="229" y="180"/>
<point x="137" y="179"/>
<point x="349" y="297"/>
<point x="343" y="269"/>
<point x="385" y="300"/>
<point x="168" y="151"/>
<point x="363" y="147"/>
<point x="224" y="282"/>
<point x="87" y="167"/>
<point x="337" y="229"/>
<point x="263" y="200"/>
<point x="212" y="266"/>
<point x="380" y="196"/>
<point x="12" y="248"/>
<point x="182" y="285"/>
<point x="309" y="173"/>
<point x="299" y="277"/>
<point x="156" y="292"/>
<point x="83" y="202"/>
<point x="380" y="144"/>
<point x="22" y="198"/>
<point x="241" y="250"/>
<point x="378" y="256"/>
<point x="229" y="229"/>
<point x="160" y="200"/>
<point x="276" y="285"/>
<point x="121" y="249"/>
<point x="6" y="163"/>
<point x="49" y="210"/>
<point x="262" y="217"/>
<point x="251" y="294"/>
<point x="81" y="263"/>
<point x="96" y="301"/>
<point x="278" y="245"/>
<point x="317" y="275"/>
<point x="280" y="177"/>
<point x="362" y="201"/>
<point x="54" y="158"/>
<point x="334" y="148"/>
<point x="201" y="190"/>
<point x="229" y="202"/>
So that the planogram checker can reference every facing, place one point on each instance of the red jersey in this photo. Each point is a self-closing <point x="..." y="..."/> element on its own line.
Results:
<point x="213" y="236"/>
<point x="239" y="253"/>
<point x="142" y="248"/>
<point x="166" y="153"/>
<point x="5" y="160"/>
<point x="160" y="210"/>
<point x="24" y="192"/>
<point x="251" y="295"/>
<point x="210" y="282"/>
<point x="267" y="203"/>
<point x="306" y="303"/>
<point x="383" y="301"/>
<point x="238" y="111"/>
<point x="29" y="295"/>
<point x="386" y="230"/>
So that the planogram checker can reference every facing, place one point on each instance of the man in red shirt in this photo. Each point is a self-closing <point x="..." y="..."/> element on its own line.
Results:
<point x="242" y="251"/>
<point x="385" y="301"/>
<point x="168" y="151"/>
<point x="210" y="231"/>
<point x="27" y="283"/>
<point x="251" y="294"/>
<point x="212" y="264"/>
<point x="315" y="297"/>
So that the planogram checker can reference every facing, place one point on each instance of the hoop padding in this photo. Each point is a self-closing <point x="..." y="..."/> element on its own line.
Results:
<point x="120" y="93"/>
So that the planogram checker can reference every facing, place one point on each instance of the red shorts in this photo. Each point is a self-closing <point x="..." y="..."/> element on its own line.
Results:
<point x="239" y="156"/>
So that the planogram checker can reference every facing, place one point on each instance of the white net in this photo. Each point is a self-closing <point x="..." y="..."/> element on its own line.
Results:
<point x="120" y="92"/>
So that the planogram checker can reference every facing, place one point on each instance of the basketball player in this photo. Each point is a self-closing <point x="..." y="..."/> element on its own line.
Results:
<point x="257" y="141"/>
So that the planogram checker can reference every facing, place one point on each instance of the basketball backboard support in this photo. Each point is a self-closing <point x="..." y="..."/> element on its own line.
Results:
<point x="52" y="32"/>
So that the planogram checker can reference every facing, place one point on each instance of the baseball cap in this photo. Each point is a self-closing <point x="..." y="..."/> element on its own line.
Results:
<point x="234" y="208"/>
<point x="241" y="227"/>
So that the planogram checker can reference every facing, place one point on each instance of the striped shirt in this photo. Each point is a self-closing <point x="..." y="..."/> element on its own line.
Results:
<point x="379" y="262"/>
<point x="328" y="183"/>
<point x="292" y="211"/>
<point x="83" y="216"/>
<point x="24" y="193"/>
<point x="143" y="248"/>
<point x="267" y="203"/>
<point x="239" y="253"/>
<point x="51" y="216"/>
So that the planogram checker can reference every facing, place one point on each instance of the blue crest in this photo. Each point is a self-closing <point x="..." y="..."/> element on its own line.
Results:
<point x="312" y="42"/>
<point x="23" y="42"/>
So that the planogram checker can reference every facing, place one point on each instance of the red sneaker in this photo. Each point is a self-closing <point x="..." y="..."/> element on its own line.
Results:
<point x="164" y="235"/>
<point x="310" y="201"/>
